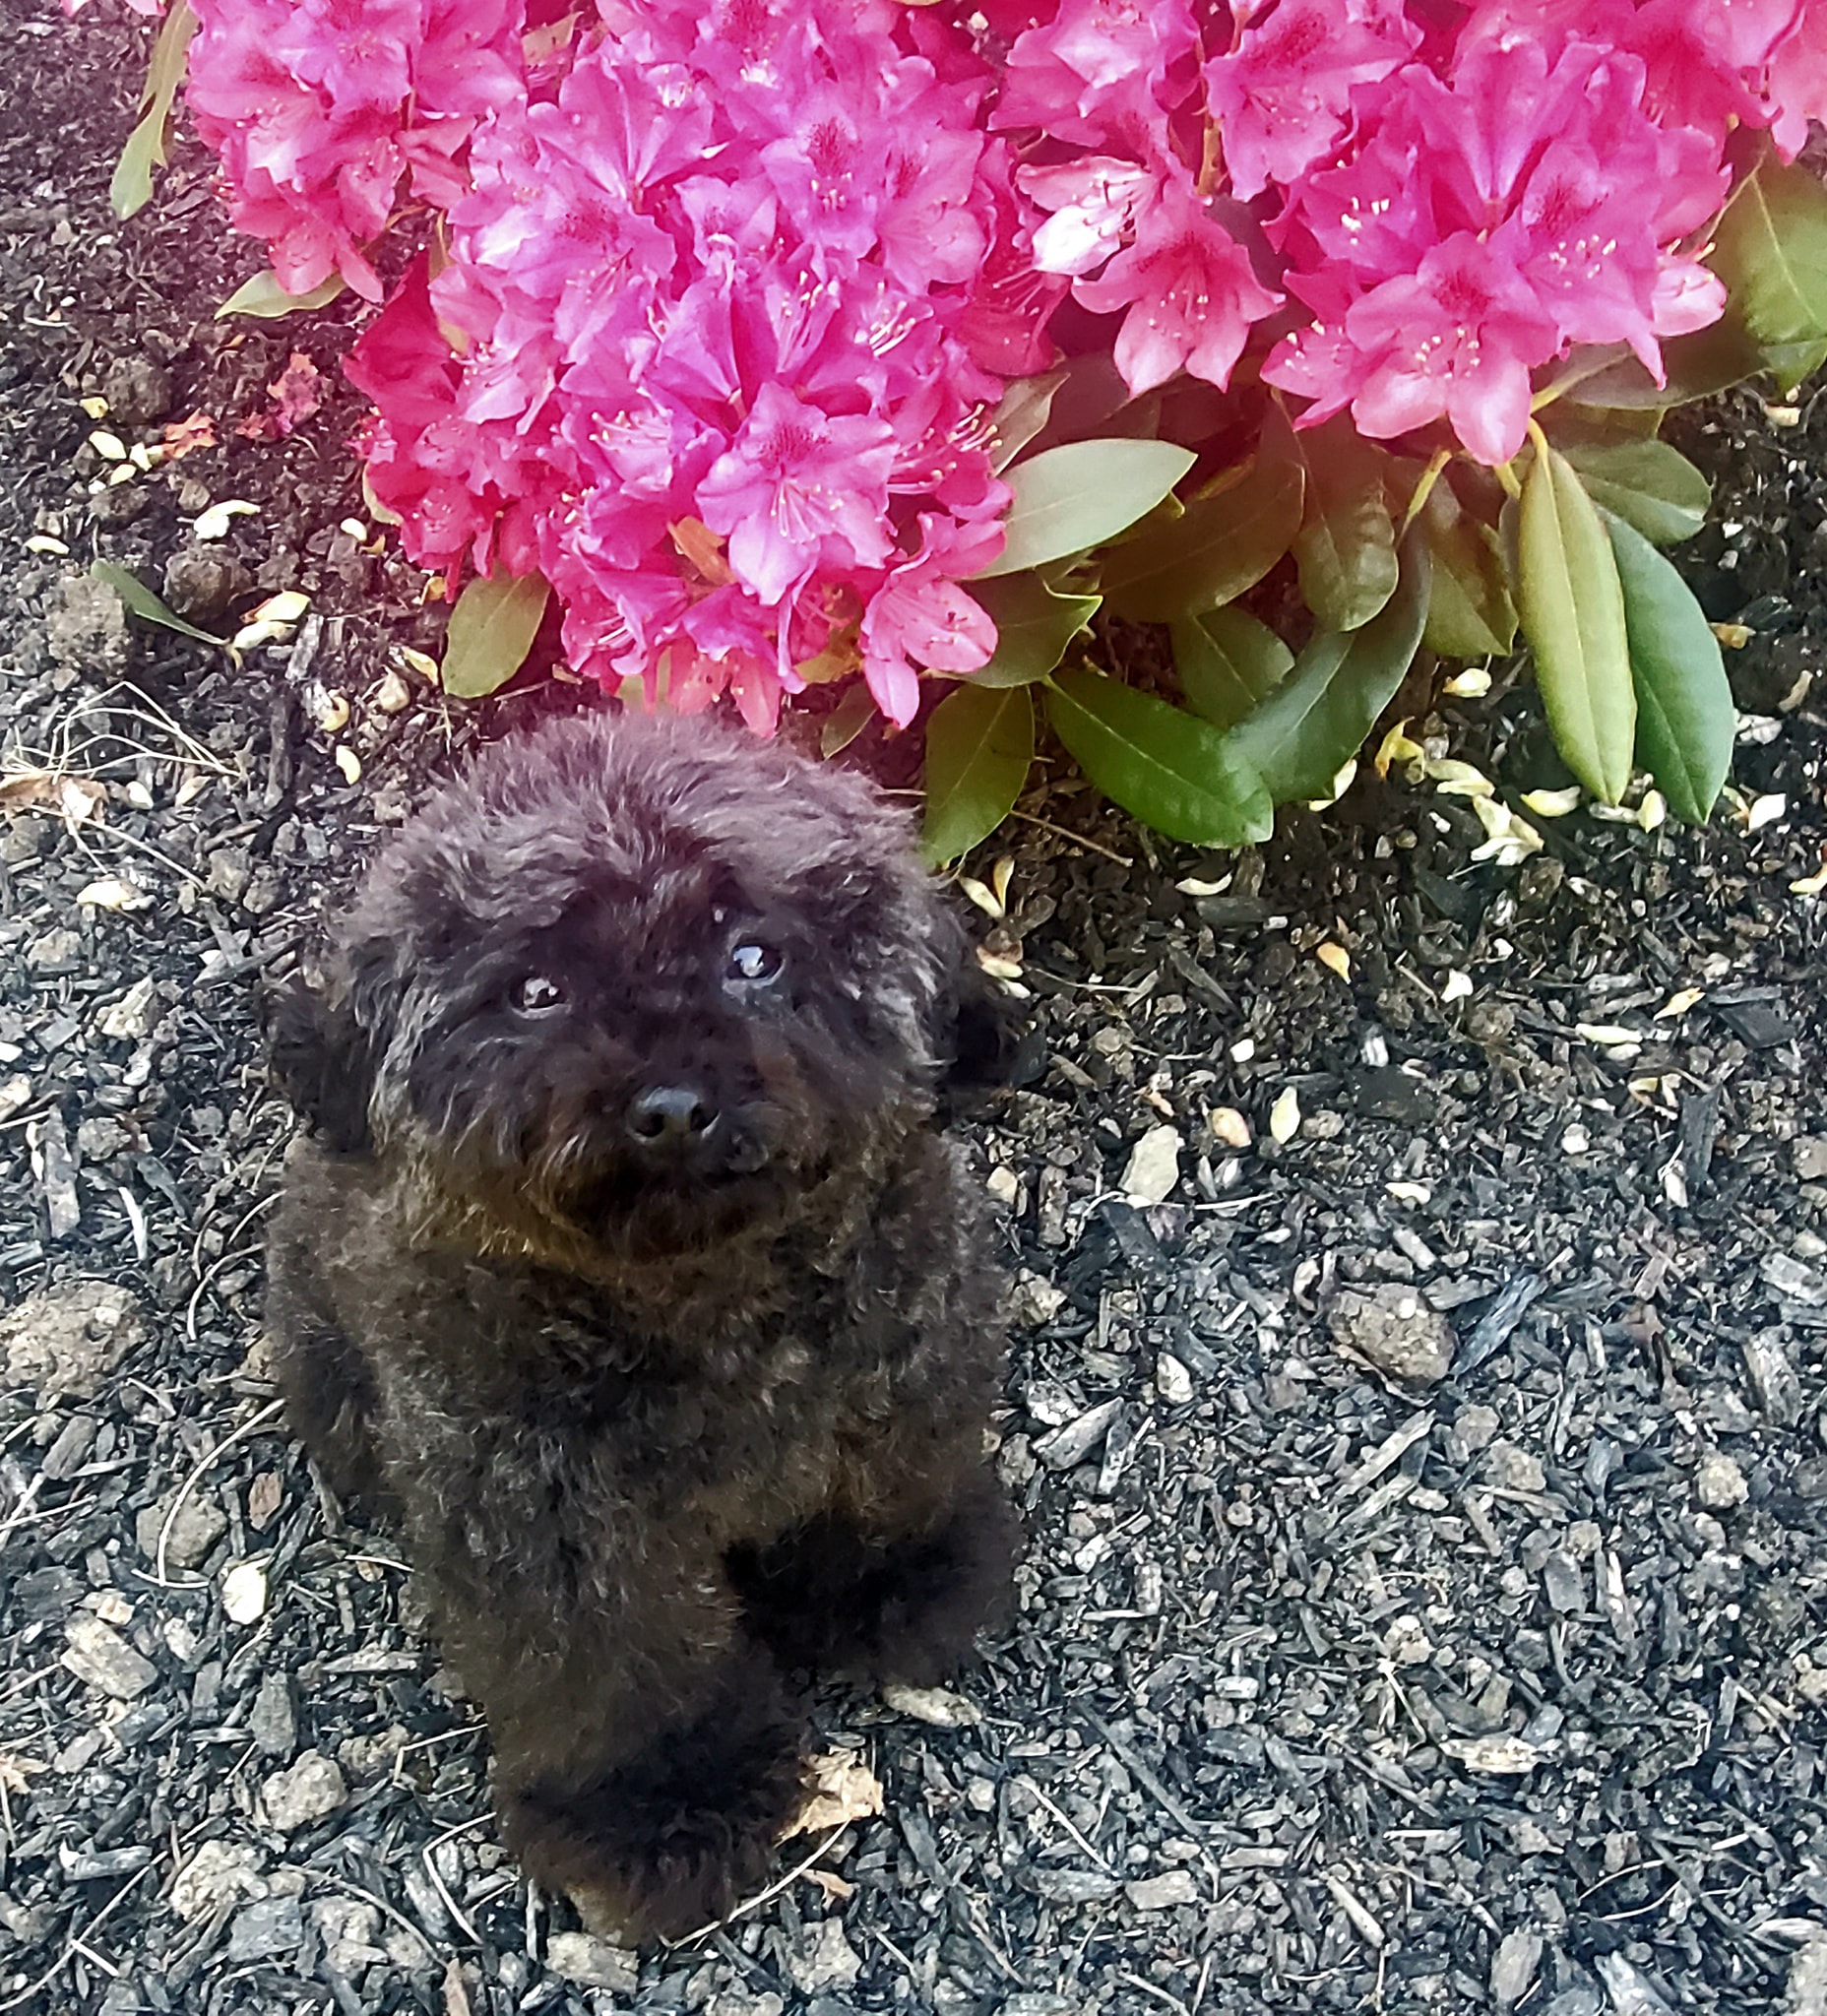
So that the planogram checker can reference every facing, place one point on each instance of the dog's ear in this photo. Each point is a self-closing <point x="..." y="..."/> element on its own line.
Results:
<point x="324" y="1064"/>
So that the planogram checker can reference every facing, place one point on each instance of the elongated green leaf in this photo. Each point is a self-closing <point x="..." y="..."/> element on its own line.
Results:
<point x="1770" y="248"/>
<point x="1789" y="363"/>
<point x="1224" y="544"/>
<point x="1685" y="720"/>
<point x="1647" y="483"/>
<point x="1227" y="662"/>
<point x="1072" y="498"/>
<point x="144" y="603"/>
<point x="264" y="296"/>
<point x="980" y="745"/>
<point x="1033" y="626"/>
<point x="492" y="630"/>
<point x="1345" y="547"/>
<point x="1023" y="413"/>
<point x="131" y="187"/>
<point x="1572" y="606"/>
<point x="847" y="720"/>
<point x="1470" y="614"/>
<point x="1173" y="770"/>
<point x="1316" y="719"/>
<point x="1694" y="366"/>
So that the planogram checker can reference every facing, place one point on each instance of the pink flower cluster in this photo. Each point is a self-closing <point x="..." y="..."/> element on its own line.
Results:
<point x="321" y="109"/>
<point x="695" y="354"/>
<point x="722" y="294"/>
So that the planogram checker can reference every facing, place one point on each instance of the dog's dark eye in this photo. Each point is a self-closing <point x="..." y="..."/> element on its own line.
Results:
<point x="536" y="995"/>
<point x="755" y="963"/>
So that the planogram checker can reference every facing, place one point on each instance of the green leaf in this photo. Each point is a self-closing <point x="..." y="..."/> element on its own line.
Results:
<point x="492" y="630"/>
<point x="131" y="188"/>
<point x="1227" y="662"/>
<point x="1770" y="248"/>
<point x="1033" y="626"/>
<point x="1573" y="608"/>
<point x="1224" y="544"/>
<point x="1173" y="770"/>
<point x="1316" y="719"/>
<point x="1345" y="547"/>
<point x="847" y="720"/>
<point x="1647" y="483"/>
<point x="1685" y="720"/>
<point x="1072" y="498"/>
<point x="1789" y="363"/>
<point x="1023" y="413"/>
<point x="980" y="746"/>
<point x="263" y="296"/>
<point x="143" y="603"/>
<point x="1695" y="367"/>
<point x="1470" y="614"/>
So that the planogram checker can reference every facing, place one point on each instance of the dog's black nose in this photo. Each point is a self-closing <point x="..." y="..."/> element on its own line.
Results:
<point x="671" y="1116"/>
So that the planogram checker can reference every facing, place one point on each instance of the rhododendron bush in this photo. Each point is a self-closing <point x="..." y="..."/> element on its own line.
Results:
<point x="788" y="342"/>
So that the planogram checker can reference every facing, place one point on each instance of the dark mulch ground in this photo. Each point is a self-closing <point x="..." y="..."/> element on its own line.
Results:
<point x="1504" y="1689"/>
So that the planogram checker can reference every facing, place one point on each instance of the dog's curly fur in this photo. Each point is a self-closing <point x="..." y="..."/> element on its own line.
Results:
<point x="624" y="1264"/>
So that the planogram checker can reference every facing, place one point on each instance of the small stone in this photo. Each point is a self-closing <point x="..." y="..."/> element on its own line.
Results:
<point x="202" y="582"/>
<point x="132" y="1014"/>
<point x="311" y="1790"/>
<point x="245" y="1591"/>
<point x="1473" y="1429"/>
<point x="218" y="1873"/>
<point x="102" y="1658"/>
<point x="266" y="1930"/>
<point x="67" y="1455"/>
<point x="1772" y="1381"/>
<point x="740" y="2003"/>
<point x="55" y="953"/>
<point x="1809" y="1152"/>
<point x="822" y="1958"/>
<point x="87" y="629"/>
<point x="1793" y="1280"/>
<point x="273" y="1721"/>
<point x="1154" y="1167"/>
<point x="593" y="1963"/>
<point x="1069" y="1445"/>
<point x="350" y="1931"/>
<point x="1718" y="1482"/>
<point x="138" y="391"/>
<point x="69" y="1339"/>
<point x="1392" y="1328"/>
<point x="1070" y="1886"/>
<point x="1562" y="1583"/>
<point x="1508" y="1468"/>
<point x="1034" y="1300"/>
<point x="1807" y="1979"/>
<point x="1513" y="1967"/>
<point x="937" y="1707"/>
<point x="199" y="1525"/>
<point x="1163" y="1893"/>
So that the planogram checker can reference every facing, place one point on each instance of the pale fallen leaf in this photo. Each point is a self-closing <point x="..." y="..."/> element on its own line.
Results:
<point x="111" y="447"/>
<point x="262" y="1497"/>
<point x="1765" y="811"/>
<point x="937" y="1706"/>
<point x="393" y="695"/>
<point x="112" y="891"/>
<point x="1230" y="1126"/>
<point x="1000" y="877"/>
<point x="348" y="763"/>
<point x="1410" y="1193"/>
<point x="1653" y="811"/>
<point x="998" y="967"/>
<point x="79" y="798"/>
<point x="843" y="1788"/>
<point x="1499" y="1756"/>
<point x="1334" y="957"/>
<point x="95" y="405"/>
<point x="14" y="1768"/>
<point x="981" y="894"/>
<point x="835" y="1888"/>
<point x="333" y="714"/>
<point x="43" y="543"/>
<point x="1340" y="784"/>
<point x="1554" y="804"/>
<point x="22" y="789"/>
<point x="1154" y="1167"/>
<point x="1456" y="986"/>
<point x="1193" y="886"/>
<point x="1811" y="885"/>
<point x="1453" y="778"/>
<point x="1243" y="1049"/>
<point x="1678" y="1004"/>
<point x="1285" y="1116"/>
<point x="1397" y="746"/>
<point x="1734" y="636"/>
<point x="213" y="523"/>
<point x="244" y="1592"/>
<point x="1608" y="1036"/>
<point x="1471" y="684"/>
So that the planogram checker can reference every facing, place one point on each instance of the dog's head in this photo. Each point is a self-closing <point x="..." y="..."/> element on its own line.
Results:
<point x="643" y="979"/>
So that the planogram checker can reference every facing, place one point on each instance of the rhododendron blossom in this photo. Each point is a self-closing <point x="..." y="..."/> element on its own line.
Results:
<point x="719" y="297"/>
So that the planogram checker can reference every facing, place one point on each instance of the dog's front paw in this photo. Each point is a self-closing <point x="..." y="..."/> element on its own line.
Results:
<point x="667" y="1841"/>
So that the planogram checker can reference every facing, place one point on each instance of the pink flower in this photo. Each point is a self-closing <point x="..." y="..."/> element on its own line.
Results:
<point x="1094" y="202"/>
<point x="795" y="485"/>
<point x="920" y="616"/>
<point x="1798" y="80"/>
<point x="1282" y="97"/>
<point x="1190" y="294"/>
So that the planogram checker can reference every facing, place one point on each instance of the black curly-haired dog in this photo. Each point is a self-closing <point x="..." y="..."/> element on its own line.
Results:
<point x="625" y="1265"/>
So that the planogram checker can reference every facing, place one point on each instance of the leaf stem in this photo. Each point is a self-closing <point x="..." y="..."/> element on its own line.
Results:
<point x="1505" y="473"/>
<point x="1424" y="488"/>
